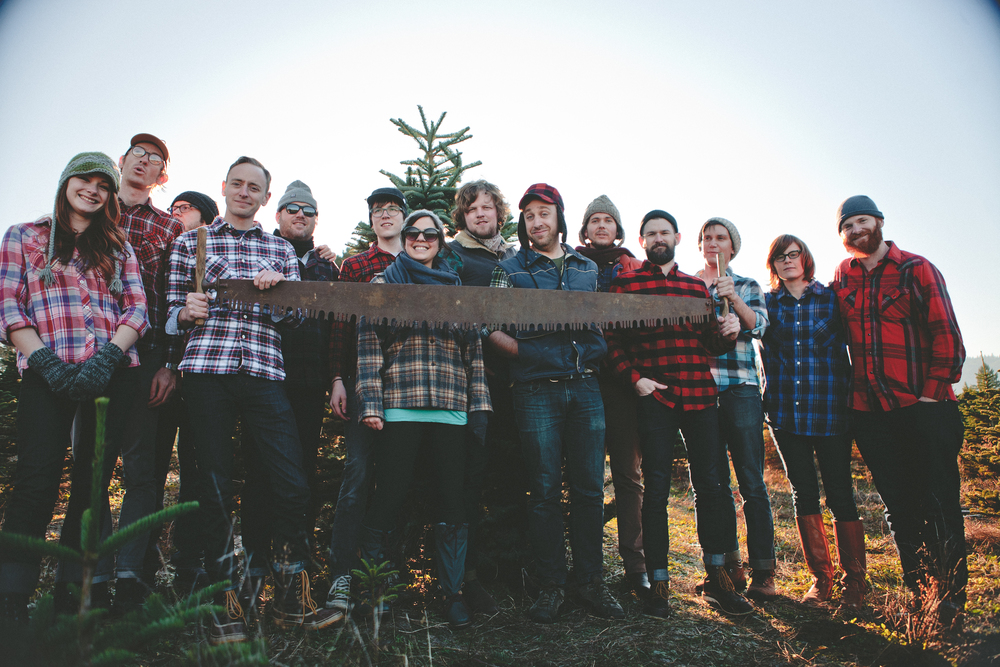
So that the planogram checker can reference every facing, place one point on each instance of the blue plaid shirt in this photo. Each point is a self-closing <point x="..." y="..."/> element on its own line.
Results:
<point x="806" y="363"/>
<point x="740" y="366"/>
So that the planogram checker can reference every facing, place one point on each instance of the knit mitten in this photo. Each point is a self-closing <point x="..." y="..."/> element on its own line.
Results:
<point x="95" y="373"/>
<point x="57" y="373"/>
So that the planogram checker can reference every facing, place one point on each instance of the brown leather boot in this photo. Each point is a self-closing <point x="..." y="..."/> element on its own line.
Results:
<point x="851" y="551"/>
<point x="816" y="551"/>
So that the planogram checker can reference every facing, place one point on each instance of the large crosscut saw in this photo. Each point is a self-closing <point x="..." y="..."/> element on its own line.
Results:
<point x="465" y="307"/>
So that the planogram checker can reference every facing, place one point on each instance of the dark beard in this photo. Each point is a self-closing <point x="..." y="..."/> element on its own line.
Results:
<point x="660" y="254"/>
<point x="867" y="245"/>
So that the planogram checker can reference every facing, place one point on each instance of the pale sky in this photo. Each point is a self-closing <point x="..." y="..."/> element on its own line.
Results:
<point x="768" y="113"/>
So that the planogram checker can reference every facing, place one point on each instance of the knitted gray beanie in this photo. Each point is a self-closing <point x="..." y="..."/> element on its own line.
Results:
<point x="730" y="227"/>
<point x="602" y="205"/>
<point x="82" y="164"/>
<point x="297" y="191"/>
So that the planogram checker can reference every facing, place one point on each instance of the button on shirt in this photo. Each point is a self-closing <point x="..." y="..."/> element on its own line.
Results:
<point x="807" y="370"/>
<point x="230" y="341"/>
<point x="76" y="315"/>
<point x="740" y="365"/>
<point x="675" y="355"/>
<point x="902" y="331"/>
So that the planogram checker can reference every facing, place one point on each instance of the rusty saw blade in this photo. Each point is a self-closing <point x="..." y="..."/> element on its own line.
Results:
<point x="465" y="307"/>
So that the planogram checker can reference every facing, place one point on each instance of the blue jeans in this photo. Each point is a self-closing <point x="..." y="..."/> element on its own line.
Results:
<point x="716" y="514"/>
<point x="912" y="453"/>
<point x="557" y="418"/>
<point x="214" y="402"/>
<point x="44" y="424"/>
<point x="833" y="452"/>
<point x="741" y="426"/>
<point x="355" y="485"/>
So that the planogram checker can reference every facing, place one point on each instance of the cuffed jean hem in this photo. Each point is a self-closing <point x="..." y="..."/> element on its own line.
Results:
<point x="660" y="575"/>
<point x="762" y="565"/>
<point x="127" y="574"/>
<point x="713" y="560"/>
<point x="289" y="568"/>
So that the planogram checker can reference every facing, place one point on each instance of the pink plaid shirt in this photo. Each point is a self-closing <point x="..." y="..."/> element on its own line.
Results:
<point x="76" y="315"/>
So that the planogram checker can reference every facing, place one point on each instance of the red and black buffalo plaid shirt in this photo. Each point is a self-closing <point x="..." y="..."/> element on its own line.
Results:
<point x="360" y="268"/>
<point x="902" y="331"/>
<point x="674" y="355"/>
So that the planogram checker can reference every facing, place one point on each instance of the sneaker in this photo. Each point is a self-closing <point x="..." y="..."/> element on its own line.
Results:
<point x="478" y="598"/>
<point x="230" y="626"/>
<point x="599" y="601"/>
<point x="762" y="588"/>
<point x="656" y="602"/>
<point x="546" y="607"/>
<point x="720" y="594"/>
<point x="339" y="596"/>
<point x="737" y="575"/>
<point x="297" y="609"/>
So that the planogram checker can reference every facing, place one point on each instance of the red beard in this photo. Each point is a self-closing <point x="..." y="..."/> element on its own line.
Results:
<point x="866" y="244"/>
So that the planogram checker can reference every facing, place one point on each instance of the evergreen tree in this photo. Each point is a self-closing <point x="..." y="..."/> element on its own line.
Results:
<point x="980" y="457"/>
<point x="986" y="377"/>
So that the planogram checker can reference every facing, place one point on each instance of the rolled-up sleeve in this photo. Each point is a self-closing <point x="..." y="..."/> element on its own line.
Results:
<point x="13" y="285"/>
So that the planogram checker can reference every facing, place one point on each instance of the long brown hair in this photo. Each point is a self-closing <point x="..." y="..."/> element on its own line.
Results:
<point x="101" y="244"/>
<point x="778" y="247"/>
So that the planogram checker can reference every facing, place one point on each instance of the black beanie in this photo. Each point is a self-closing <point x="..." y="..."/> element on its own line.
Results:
<point x="205" y="204"/>
<point x="857" y="205"/>
<point x="657" y="213"/>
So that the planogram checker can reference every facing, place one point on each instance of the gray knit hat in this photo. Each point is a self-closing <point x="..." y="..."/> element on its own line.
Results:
<point x="297" y="191"/>
<point x="730" y="227"/>
<point x="857" y="205"/>
<point x="82" y="164"/>
<point x="602" y="205"/>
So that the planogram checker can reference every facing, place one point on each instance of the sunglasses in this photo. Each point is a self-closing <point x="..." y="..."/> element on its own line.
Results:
<point x="412" y="233"/>
<point x="307" y="211"/>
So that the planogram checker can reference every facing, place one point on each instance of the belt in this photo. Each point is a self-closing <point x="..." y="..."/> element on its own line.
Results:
<point x="573" y="376"/>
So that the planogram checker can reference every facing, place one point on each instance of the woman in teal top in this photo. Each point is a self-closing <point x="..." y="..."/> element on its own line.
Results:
<point x="417" y="385"/>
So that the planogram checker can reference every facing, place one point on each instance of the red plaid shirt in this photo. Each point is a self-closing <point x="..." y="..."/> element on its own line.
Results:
<point x="360" y="268"/>
<point x="76" y="315"/>
<point x="674" y="355"/>
<point x="151" y="233"/>
<point x="902" y="331"/>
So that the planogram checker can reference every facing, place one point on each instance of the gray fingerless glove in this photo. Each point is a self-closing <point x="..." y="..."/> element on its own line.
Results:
<point x="95" y="373"/>
<point x="57" y="373"/>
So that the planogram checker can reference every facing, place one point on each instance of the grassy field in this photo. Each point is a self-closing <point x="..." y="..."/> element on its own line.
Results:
<point x="778" y="633"/>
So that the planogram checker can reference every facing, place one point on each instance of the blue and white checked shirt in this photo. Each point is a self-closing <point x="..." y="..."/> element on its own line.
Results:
<point x="740" y="366"/>
<point x="806" y="363"/>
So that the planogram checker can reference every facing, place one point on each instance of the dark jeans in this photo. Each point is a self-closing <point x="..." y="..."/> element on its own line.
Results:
<point x="912" y="453"/>
<point x="214" y="403"/>
<point x="707" y="462"/>
<point x="44" y="424"/>
<point x="833" y="452"/>
<point x="255" y="506"/>
<point x="741" y="426"/>
<point x="355" y="485"/>
<point x="622" y="442"/>
<point x="557" y="418"/>
<point x="396" y="449"/>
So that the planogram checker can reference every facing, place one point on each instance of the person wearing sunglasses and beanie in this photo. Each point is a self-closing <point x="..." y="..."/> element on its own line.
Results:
<point x="418" y="385"/>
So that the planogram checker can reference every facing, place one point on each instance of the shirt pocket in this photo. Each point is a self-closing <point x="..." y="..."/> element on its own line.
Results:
<point x="847" y="301"/>
<point x="823" y="333"/>
<point x="268" y="264"/>
<point x="894" y="304"/>
<point x="216" y="268"/>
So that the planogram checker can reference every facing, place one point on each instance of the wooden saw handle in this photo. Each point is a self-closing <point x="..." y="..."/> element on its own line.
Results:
<point x="199" y="267"/>
<point x="721" y="263"/>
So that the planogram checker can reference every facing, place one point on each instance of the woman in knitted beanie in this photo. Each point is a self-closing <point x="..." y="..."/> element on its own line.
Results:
<point x="73" y="306"/>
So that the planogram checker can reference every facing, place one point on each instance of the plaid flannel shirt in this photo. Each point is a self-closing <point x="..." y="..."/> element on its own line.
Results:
<point x="230" y="341"/>
<point x="419" y="368"/>
<point x="806" y="367"/>
<point x="76" y="315"/>
<point x="904" y="338"/>
<point x="676" y="355"/>
<point x="151" y="233"/>
<point x="360" y="268"/>
<point x="740" y="366"/>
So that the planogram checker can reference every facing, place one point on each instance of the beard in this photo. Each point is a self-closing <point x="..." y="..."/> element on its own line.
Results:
<point x="660" y="254"/>
<point x="865" y="245"/>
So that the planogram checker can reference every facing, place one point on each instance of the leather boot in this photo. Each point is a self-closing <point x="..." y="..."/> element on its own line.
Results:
<point x="452" y="541"/>
<point x="851" y="552"/>
<point x="816" y="551"/>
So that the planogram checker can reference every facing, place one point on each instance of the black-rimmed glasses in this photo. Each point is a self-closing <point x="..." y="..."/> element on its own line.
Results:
<point x="139" y="151"/>
<point x="790" y="255"/>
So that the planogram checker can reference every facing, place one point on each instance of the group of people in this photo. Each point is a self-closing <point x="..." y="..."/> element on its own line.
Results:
<point x="99" y="299"/>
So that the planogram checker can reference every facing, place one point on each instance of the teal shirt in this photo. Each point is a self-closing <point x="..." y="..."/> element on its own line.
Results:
<point x="456" y="417"/>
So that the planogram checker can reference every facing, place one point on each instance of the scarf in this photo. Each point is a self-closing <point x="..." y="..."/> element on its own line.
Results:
<point x="603" y="256"/>
<point x="301" y="247"/>
<point x="406" y="270"/>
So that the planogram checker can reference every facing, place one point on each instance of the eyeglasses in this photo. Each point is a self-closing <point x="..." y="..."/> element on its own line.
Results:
<point x="307" y="211"/>
<point x="181" y="209"/>
<point x="412" y="233"/>
<point x="387" y="210"/>
<point x="139" y="151"/>
<point x="790" y="255"/>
